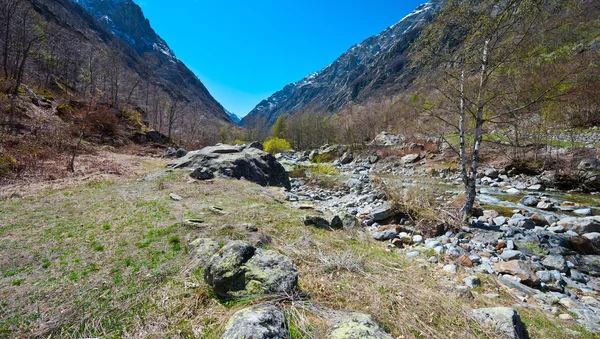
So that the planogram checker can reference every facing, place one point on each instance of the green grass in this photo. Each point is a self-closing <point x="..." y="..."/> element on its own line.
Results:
<point x="110" y="258"/>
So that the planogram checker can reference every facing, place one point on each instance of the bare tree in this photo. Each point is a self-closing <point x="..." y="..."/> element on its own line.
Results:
<point x="472" y="48"/>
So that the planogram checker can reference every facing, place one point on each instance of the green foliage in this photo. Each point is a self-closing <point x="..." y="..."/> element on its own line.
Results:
<point x="279" y="129"/>
<point x="8" y="164"/>
<point x="533" y="248"/>
<point x="324" y="158"/>
<point x="324" y="169"/>
<point x="277" y="145"/>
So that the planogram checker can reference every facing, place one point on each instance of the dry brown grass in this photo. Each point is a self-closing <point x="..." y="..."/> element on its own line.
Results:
<point x="98" y="259"/>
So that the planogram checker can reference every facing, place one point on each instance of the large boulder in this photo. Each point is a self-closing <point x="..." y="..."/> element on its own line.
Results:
<point x="257" y="322"/>
<point x="269" y="272"/>
<point x="237" y="162"/>
<point x="589" y="164"/>
<point x="239" y="269"/>
<point x="504" y="320"/>
<point x="581" y="225"/>
<point x="356" y="326"/>
<point x="387" y="140"/>
<point x="382" y="212"/>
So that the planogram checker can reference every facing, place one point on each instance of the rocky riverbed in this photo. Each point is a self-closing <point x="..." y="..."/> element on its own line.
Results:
<point x="543" y="244"/>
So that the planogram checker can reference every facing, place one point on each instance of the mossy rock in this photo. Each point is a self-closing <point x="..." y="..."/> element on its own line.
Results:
<point x="204" y="249"/>
<point x="239" y="269"/>
<point x="257" y="322"/>
<point x="357" y="326"/>
<point x="269" y="272"/>
<point x="8" y="164"/>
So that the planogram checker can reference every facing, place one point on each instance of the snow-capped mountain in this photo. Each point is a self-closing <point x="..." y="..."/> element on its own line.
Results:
<point x="125" y="20"/>
<point x="376" y="64"/>
<point x="233" y="116"/>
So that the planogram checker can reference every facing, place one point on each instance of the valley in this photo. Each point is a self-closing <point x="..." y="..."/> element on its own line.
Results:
<point x="439" y="179"/>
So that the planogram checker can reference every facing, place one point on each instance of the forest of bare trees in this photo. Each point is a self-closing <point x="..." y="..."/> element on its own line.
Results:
<point x="44" y="55"/>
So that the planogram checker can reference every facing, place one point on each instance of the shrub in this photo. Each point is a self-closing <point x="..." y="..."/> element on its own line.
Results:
<point x="277" y="145"/>
<point x="101" y="121"/>
<point x="325" y="157"/>
<point x="8" y="164"/>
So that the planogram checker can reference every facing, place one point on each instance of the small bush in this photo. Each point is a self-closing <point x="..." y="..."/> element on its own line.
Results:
<point x="8" y="164"/>
<point x="298" y="172"/>
<point x="277" y="145"/>
<point x="102" y="121"/>
<point x="325" y="157"/>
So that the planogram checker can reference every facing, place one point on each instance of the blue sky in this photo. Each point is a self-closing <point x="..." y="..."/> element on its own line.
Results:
<point x="244" y="51"/>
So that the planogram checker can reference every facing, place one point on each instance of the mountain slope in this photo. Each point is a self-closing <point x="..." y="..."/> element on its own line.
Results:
<point x="373" y="66"/>
<point x="125" y="20"/>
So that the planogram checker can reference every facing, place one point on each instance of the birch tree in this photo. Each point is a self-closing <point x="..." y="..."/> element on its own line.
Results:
<point x="470" y="51"/>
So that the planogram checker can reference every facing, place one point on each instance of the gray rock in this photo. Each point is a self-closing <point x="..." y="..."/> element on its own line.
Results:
<point x="257" y="322"/>
<point x="346" y="158"/>
<point x="387" y="139"/>
<point x="382" y="212"/>
<point x="269" y="272"/>
<point x="202" y="173"/>
<point x="499" y="221"/>
<point x="545" y="206"/>
<point x="520" y="269"/>
<point x="356" y="326"/>
<point x="450" y="268"/>
<point x="491" y="172"/>
<point x="348" y="220"/>
<point x="204" y="249"/>
<point x="505" y="320"/>
<point x="508" y="255"/>
<point x="522" y="222"/>
<point x="556" y="229"/>
<point x="549" y="277"/>
<point x="513" y="191"/>
<point x="529" y="200"/>
<point x="472" y="281"/>
<point x="584" y="211"/>
<point x="594" y="236"/>
<point x="555" y="262"/>
<point x="239" y="269"/>
<point x="589" y="164"/>
<point x="385" y="235"/>
<point x="257" y="145"/>
<point x="316" y="221"/>
<point x="174" y="196"/>
<point x="225" y="272"/>
<point x="237" y="162"/>
<point x="578" y="276"/>
<point x="410" y="158"/>
<point x="581" y="225"/>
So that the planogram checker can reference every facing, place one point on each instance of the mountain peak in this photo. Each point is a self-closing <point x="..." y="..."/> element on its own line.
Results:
<point x="373" y="65"/>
